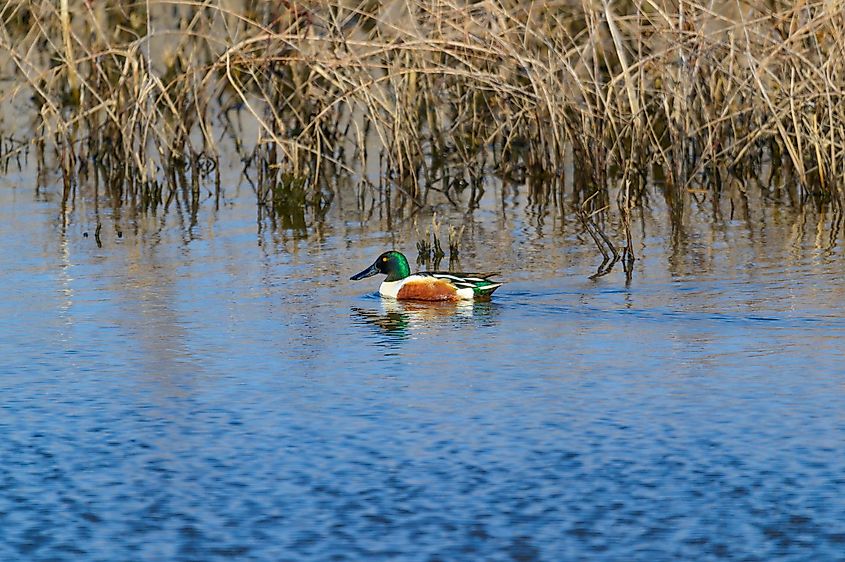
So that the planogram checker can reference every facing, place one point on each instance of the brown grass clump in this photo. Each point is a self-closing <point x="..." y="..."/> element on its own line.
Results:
<point x="428" y="94"/>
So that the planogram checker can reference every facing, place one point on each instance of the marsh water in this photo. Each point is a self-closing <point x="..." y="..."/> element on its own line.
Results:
<point x="206" y="384"/>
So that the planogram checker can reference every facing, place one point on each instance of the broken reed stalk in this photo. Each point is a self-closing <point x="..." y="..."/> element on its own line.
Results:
<point x="608" y="251"/>
<point x="429" y="248"/>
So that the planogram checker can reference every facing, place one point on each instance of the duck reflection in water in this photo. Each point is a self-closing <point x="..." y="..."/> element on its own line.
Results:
<point x="399" y="319"/>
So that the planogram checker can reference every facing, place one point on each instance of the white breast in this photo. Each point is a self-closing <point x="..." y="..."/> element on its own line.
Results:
<point x="391" y="288"/>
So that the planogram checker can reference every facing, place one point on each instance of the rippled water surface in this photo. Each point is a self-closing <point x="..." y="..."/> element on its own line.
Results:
<point x="212" y="387"/>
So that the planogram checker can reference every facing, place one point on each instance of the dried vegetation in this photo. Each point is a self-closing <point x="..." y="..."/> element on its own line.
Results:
<point x="397" y="101"/>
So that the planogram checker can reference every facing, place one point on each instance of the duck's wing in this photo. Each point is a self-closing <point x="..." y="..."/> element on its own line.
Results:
<point x="480" y="283"/>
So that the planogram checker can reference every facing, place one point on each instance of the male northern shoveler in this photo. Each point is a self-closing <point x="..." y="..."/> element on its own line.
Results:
<point x="427" y="285"/>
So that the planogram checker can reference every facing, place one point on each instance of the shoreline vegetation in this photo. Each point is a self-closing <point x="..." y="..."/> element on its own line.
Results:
<point x="404" y="100"/>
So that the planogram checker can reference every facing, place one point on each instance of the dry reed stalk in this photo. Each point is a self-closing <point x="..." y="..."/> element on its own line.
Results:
<point x="334" y="86"/>
<point x="70" y="60"/>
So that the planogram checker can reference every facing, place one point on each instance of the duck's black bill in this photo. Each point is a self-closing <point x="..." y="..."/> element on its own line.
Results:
<point x="369" y="272"/>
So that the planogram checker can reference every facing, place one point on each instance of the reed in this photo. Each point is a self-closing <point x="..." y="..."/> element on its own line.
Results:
<point x="426" y="97"/>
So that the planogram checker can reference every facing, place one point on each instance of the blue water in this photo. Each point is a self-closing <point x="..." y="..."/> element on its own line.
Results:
<point x="221" y="391"/>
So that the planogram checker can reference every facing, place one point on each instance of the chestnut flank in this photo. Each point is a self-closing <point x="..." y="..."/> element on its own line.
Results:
<point x="428" y="290"/>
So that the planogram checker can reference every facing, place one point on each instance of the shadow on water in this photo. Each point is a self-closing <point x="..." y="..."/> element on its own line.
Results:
<point x="396" y="321"/>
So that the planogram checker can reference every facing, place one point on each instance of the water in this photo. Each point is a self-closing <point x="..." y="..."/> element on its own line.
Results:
<point x="213" y="388"/>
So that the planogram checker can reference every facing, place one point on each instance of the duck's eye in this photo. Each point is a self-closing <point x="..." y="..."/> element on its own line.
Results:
<point x="383" y="259"/>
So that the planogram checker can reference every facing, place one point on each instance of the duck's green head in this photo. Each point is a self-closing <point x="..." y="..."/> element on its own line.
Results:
<point x="393" y="264"/>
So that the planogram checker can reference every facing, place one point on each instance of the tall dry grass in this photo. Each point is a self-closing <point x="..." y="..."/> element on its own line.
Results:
<point x="430" y="95"/>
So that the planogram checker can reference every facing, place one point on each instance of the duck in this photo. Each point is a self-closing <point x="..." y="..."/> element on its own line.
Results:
<point x="427" y="285"/>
